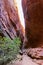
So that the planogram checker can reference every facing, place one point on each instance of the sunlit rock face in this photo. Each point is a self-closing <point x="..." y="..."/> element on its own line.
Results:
<point x="20" y="12"/>
<point x="33" y="14"/>
<point x="10" y="24"/>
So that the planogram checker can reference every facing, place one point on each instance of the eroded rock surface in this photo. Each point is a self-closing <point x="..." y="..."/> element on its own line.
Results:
<point x="35" y="53"/>
<point x="9" y="20"/>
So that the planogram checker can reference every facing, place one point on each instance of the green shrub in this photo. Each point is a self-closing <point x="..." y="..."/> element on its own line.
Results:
<point x="9" y="48"/>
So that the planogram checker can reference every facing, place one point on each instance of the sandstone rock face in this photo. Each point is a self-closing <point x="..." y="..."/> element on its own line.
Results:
<point x="9" y="20"/>
<point x="33" y="14"/>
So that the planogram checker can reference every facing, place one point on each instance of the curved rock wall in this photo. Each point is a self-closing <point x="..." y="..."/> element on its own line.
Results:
<point x="33" y="14"/>
<point x="10" y="23"/>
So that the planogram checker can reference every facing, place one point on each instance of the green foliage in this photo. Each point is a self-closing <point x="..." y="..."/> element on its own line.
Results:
<point x="9" y="48"/>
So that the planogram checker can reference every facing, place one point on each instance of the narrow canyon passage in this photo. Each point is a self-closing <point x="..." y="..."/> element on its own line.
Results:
<point x="13" y="21"/>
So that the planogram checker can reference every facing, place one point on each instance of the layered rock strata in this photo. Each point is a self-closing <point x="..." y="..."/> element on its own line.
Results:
<point x="10" y="24"/>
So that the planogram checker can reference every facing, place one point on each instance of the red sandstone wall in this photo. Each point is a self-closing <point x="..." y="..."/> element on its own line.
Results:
<point x="9" y="20"/>
<point x="33" y="14"/>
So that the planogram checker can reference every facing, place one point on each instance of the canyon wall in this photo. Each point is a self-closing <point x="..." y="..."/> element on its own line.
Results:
<point x="33" y="14"/>
<point x="10" y="24"/>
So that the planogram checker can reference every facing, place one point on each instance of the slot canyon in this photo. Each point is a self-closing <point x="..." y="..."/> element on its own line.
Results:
<point x="24" y="19"/>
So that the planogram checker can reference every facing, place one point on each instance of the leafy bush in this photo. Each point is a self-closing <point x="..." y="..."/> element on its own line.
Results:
<point x="9" y="48"/>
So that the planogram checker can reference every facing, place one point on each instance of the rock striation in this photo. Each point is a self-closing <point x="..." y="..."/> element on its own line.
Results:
<point x="9" y="20"/>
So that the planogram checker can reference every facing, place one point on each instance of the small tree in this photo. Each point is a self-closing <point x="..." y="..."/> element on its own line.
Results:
<point x="9" y="48"/>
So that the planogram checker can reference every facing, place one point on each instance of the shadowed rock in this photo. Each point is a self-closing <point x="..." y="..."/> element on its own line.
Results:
<point x="33" y="14"/>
